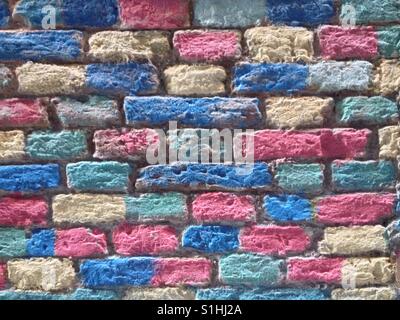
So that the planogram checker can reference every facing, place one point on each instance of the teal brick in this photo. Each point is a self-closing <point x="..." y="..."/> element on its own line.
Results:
<point x="12" y="243"/>
<point x="300" y="178"/>
<point x="372" y="11"/>
<point x="367" y="111"/>
<point x="249" y="269"/>
<point x="363" y="176"/>
<point x="98" y="176"/>
<point x="64" y="145"/>
<point x="156" y="206"/>
<point x="79" y="294"/>
<point x="389" y="41"/>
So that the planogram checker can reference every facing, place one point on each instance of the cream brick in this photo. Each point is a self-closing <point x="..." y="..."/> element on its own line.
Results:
<point x="367" y="272"/>
<point x="387" y="79"/>
<point x="353" y="240"/>
<point x="389" y="139"/>
<point x="41" y="274"/>
<point x="294" y="113"/>
<point x="77" y="209"/>
<point x="116" y="46"/>
<point x="159" y="294"/>
<point x="280" y="44"/>
<point x="46" y="79"/>
<point x="201" y="80"/>
<point x="364" y="294"/>
<point x="12" y="144"/>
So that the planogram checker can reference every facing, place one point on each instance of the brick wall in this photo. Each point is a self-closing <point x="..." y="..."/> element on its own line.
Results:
<point x="84" y="215"/>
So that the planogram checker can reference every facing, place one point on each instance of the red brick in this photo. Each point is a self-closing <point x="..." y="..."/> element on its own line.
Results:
<point x="3" y="276"/>
<point x="315" y="270"/>
<point x="22" y="113"/>
<point x="23" y="212"/>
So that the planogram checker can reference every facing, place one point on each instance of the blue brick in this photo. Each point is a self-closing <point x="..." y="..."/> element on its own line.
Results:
<point x="288" y="208"/>
<point x="211" y="239"/>
<point x="117" y="272"/>
<point x="226" y="293"/>
<point x="201" y="113"/>
<point x="41" y="243"/>
<point x="269" y="78"/>
<point x="41" y="46"/>
<point x="204" y="177"/>
<point x="79" y="294"/>
<point x="300" y="12"/>
<point x="25" y="178"/>
<point x="90" y="13"/>
<point x="70" y="13"/>
<point x="4" y="13"/>
<point x="122" y="79"/>
<point x="363" y="176"/>
<point x="228" y="13"/>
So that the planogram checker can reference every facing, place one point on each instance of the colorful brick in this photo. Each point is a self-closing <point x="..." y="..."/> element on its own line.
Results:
<point x="59" y="46"/>
<point x="299" y="112"/>
<point x="23" y="212"/>
<point x="98" y="176"/>
<point x="41" y="243"/>
<point x="78" y="294"/>
<point x="93" y="111"/>
<point x="389" y="142"/>
<point x="223" y="208"/>
<point x="265" y="78"/>
<point x="315" y="270"/>
<point x="339" y="43"/>
<point x="211" y="239"/>
<point x="274" y="240"/>
<point x="12" y="243"/>
<point x="12" y="145"/>
<point x="154" y="14"/>
<point x="29" y="178"/>
<point x="187" y="80"/>
<point x="207" y="46"/>
<point x="363" y="176"/>
<point x="3" y="276"/>
<point x="250" y="270"/>
<point x="369" y="294"/>
<point x="64" y="145"/>
<point x="213" y="13"/>
<point x="23" y="113"/>
<point x="217" y="112"/>
<point x="194" y="176"/>
<point x="300" y="178"/>
<point x="389" y="41"/>
<point x="134" y="240"/>
<point x="280" y="44"/>
<point x="367" y="111"/>
<point x="387" y="77"/>
<point x="288" y="208"/>
<point x="159" y="294"/>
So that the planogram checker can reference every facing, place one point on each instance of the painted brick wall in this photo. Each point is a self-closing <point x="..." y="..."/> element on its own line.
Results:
<point x="83" y="215"/>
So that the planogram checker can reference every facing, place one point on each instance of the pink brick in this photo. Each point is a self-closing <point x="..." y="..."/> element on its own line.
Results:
<point x="126" y="144"/>
<point x="154" y="14"/>
<point x="208" y="46"/>
<point x="224" y="207"/>
<point x="137" y="240"/>
<point x="3" y="276"/>
<point x="22" y="113"/>
<point x="315" y="270"/>
<point x="23" y="212"/>
<point x="80" y="243"/>
<point x="325" y="143"/>
<point x="355" y="209"/>
<point x="185" y="271"/>
<point x="347" y="43"/>
<point x="274" y="240"/>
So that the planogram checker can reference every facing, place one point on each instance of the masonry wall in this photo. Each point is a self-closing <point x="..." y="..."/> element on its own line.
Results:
<point x="83" y="215"/>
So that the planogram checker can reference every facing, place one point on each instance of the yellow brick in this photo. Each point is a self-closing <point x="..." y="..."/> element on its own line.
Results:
<point x="41" y="274"/>
<point x="294" y="113"/>
<point x="116" y="46"/>
<point x="280" y="44"/>
<point x="202" y="80"/>
<point x="364" y="294"/>
<point x="389" y="138"/>
<point x="387" y="79"/>
<point x="45" y="79"/>
<point x="159" y="294"/>
<point x="91" y="209"/>
<point x="12" y="144"/>
<point x="353" y="240"/>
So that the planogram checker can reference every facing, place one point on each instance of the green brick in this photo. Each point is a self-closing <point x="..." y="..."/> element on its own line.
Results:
<point x="12" y="243"/>
<point x="389" y="41"/>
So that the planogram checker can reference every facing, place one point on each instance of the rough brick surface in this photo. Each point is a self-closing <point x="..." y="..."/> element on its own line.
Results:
<point x="22" y="113"/>
<point x="369" y="294"/>
<point x="159" y="294"/>
<point x="387" y="77"/>
<point x="315" y="270"/>
<point x="12" y="144"/>
<point x="23" y="212"/>
<point x="389" y="142"/>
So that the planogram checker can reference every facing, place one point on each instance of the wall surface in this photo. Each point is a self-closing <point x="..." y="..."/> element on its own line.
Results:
<point x="86" y="214"/>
